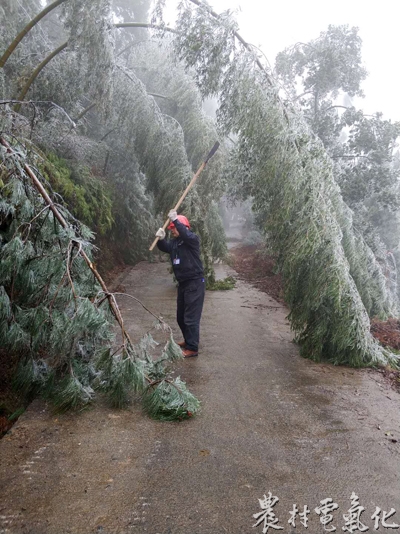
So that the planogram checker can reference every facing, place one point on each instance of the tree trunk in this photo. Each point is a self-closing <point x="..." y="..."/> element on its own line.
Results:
<point x="26" y="30"/>
<point x="143" y="25"/>
<point x="36" y="73"/>
<point x="38" y="69"/>
<point x="83" y="113"/>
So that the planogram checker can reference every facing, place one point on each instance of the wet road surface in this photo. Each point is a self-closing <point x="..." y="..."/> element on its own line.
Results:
<point x="270" y="421"/>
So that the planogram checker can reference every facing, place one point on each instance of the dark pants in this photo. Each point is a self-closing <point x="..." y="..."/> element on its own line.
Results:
<point x="190" y="305"/>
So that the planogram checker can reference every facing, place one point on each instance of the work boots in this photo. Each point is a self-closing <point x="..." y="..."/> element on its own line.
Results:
<point x="186" y="352"/>
<point x="189" y="353"/>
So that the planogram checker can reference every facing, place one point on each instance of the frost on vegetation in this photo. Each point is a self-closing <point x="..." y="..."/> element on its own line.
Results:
<point x="157" y="141"/>
<point x="54" y="313"/>
<point x="131" y="155"/>
<point x="334" y="281"/>
<point x="90" y="37"/>
<point x="332" y="278"/>
<point x="171" y="137"/>
<point x="156" y="144"/>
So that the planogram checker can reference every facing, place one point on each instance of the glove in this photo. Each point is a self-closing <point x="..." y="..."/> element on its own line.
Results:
<point x="160" y="233"/>
<point x="173" y="215"/>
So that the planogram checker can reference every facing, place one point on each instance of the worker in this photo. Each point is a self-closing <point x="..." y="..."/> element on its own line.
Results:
<point x="184" y="250"/>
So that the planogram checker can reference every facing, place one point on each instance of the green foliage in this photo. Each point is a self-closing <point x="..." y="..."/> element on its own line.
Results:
<point x="171" y="139"/>
<point x="134" y="369"/>
<point x="361" y="146"/>
<point x="156" y="141"/>
<point x="215" y="55"/>
<point x="369" y="176"/>
<point x="46" y="289"/>
<point x="88" y="25"/>
<point x="330" y="63"/>
<point x="286" y="170"/>
<point x="87" y="196"/>
<point x="23" y="59"/>
<point x="53" y="312"/>
<point x="71" y="394"/>
<point x="169" y="401"/>
<point x="221" y="285"/>
<point x="32" y="376"/>
<point x="159" y="145"/>
<point x="133" y="207"/>
<point x="216" y="233"/>
<point x="121" y="375"/>
<point x="172" y="350"/>
<point x="147" y="159"/>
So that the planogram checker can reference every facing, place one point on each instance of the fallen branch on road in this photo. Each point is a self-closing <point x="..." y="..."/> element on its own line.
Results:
<point x="50" y="312"/>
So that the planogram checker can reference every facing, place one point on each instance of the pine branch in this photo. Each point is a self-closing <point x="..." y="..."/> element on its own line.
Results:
<point x="143" y="306"/>
<point x="168" y="400"/>
<point x="63" y="223"/>
<point x="69" y="264"/>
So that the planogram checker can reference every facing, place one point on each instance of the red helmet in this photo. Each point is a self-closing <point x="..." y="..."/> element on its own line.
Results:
<point x="182" y="219"/>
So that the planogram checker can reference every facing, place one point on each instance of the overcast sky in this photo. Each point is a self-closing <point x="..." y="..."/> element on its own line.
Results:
<point x="275" y="25"/>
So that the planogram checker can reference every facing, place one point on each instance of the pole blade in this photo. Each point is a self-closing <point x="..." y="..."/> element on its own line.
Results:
<point x="212" y="152"/>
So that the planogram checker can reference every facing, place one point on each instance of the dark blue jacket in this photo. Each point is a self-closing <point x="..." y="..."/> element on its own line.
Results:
<point x="185" y="253"/>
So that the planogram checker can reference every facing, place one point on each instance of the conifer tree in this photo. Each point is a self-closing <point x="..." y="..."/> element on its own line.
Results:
<point x="55" y="313"/>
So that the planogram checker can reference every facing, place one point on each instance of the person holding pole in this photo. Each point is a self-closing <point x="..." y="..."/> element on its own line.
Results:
<point x="184" y="251"/>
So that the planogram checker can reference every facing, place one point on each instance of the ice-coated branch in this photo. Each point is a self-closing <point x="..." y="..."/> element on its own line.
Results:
<point x="39" y="187"/>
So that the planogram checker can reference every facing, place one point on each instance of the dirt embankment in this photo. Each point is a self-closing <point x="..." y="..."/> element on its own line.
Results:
<point x="254" y="265"/>
<point x="10" y="402"/>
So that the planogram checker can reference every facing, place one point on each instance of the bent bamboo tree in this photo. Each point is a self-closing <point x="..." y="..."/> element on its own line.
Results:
<point x="333" y="282"/>
<point x="63" y="46"/>
<point x="26" y="30"/>
<point x="36" y="73"/>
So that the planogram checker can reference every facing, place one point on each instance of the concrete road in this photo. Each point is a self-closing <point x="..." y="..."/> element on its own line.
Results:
<point x="270" y="422"/>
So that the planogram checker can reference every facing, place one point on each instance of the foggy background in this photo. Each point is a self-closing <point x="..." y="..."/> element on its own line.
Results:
<point x="274" y="26"/>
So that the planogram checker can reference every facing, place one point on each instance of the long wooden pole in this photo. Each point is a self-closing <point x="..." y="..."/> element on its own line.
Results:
<point x="189" y="187"/>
